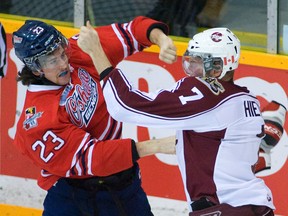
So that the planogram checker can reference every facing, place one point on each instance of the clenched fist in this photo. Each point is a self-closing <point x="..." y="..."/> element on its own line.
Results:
<point x="168" y="51"/>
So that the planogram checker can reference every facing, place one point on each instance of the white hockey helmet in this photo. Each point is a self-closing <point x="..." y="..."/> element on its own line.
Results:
<point x="215" y="44"/>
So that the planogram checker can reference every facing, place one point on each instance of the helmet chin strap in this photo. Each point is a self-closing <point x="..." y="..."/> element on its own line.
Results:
<point x="207" y="66"/>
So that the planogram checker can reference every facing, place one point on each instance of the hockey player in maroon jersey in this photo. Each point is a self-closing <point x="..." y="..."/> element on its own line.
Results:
<point x="219" y="124"/>
<point x="66" y="129"/>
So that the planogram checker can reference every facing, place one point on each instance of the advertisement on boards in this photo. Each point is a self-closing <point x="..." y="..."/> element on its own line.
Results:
<point x="160" y="174"/>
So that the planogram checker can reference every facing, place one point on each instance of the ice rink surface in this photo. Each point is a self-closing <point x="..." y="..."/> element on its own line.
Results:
<point x="26" y="193"/>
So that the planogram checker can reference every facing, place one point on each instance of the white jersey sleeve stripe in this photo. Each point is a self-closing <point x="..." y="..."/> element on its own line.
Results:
<point x="106" y="129"/>
<point x="89" y="163"/>
<point x="74" y="160"/>
<point x="118" y="34"/>
<point x="135" y="43"/>
<point x="78" y="168"/>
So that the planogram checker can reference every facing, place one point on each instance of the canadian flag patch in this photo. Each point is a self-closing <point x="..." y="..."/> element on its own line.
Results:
<point x="229" y="60"/>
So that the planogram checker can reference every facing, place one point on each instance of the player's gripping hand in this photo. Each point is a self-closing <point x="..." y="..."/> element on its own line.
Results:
<point x="88" y="39"/>
<point x="168" y="50"/>
<point x="89" y="42"/>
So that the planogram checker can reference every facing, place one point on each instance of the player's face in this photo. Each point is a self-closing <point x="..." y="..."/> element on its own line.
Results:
<point x="193" y="66"/>
<point x="56" y="67"/>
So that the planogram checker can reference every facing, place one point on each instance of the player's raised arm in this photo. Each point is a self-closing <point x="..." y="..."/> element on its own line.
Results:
<point x="149" y="147"/>
<point x="90" y="43"/>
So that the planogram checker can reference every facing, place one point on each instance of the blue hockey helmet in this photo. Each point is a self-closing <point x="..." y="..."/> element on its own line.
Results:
<point x="36" y="39"/>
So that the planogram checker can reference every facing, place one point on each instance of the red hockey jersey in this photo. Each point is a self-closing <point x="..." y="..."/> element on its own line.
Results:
<point x="67" y="130"/>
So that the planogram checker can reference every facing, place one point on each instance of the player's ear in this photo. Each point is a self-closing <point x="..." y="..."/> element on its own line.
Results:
<point x="216" y="73"/>
<point x="38" y="73"/>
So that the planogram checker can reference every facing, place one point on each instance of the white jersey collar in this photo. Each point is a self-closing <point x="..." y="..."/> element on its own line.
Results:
<point x="37" y="88"/>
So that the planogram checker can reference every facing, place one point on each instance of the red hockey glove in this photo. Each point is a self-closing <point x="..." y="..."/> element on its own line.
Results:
<point x="274" y="116"/>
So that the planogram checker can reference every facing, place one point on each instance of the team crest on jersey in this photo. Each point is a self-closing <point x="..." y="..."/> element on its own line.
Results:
<point x="82" y="104"/>
<point x="31" y="117"/>
<point x="212" y="84"/>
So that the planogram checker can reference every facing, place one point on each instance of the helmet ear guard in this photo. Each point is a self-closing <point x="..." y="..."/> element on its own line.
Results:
<point x="32" y="63"/>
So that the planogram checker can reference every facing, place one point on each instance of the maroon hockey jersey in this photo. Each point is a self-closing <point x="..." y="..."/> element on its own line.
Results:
<point x="218" y="126"/>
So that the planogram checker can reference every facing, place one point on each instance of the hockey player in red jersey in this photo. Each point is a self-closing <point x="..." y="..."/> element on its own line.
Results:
<point x="219" y="124"/>
<point x="66" y="129"/>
